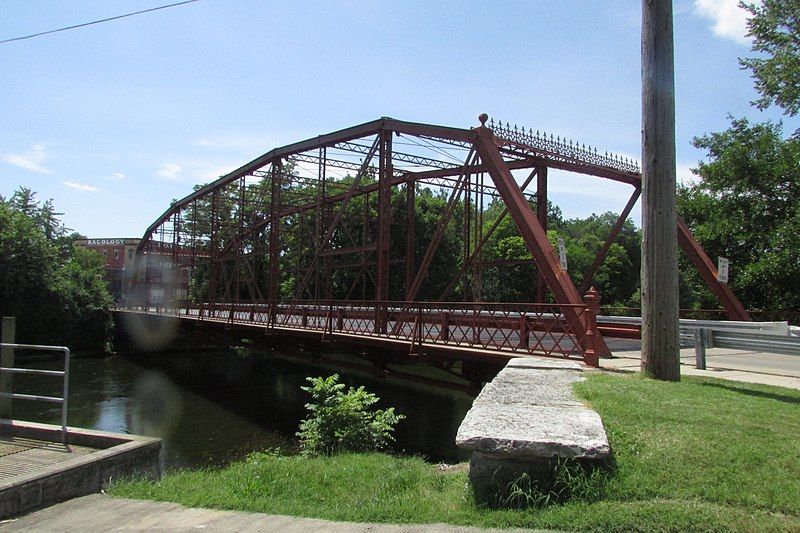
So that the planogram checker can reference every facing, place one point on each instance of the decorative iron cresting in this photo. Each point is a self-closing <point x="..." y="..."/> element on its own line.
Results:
<point x="566" y="148"/>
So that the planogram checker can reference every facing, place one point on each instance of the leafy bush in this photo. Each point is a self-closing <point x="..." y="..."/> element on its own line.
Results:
<point x="342" y="420"/>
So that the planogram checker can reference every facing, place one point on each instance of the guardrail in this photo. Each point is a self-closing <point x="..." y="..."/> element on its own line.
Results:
<point x="57" y="373"/>
<point x="705" y="338"/>
<point x="691" y="324"/>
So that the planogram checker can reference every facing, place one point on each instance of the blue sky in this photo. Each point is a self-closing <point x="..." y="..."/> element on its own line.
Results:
<point x="114" y="120"/>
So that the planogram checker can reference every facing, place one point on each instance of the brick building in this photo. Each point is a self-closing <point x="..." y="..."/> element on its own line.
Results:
<point x="120" y="257"/>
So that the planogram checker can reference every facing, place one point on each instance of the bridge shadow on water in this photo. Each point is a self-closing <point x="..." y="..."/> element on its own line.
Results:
<point x="264" y="388"/>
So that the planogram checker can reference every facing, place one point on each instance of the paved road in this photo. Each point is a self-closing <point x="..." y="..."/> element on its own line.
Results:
<point x="99" y="512"/>
<point x="735" y="365"/>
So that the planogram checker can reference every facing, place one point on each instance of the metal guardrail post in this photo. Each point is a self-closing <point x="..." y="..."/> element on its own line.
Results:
<point x="700" y="348"/>
<point x="7" y="361"/>
<point x="65" y="404"/>
<point x="9" y="395"/>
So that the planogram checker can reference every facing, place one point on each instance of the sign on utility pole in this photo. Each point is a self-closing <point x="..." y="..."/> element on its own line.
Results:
<point x="660" y="349"/>
<point x="723" y="265"/>
<point x="562" y="253"/>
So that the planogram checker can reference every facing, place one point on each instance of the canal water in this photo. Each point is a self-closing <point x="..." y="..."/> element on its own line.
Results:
<point x="214" y="407"/>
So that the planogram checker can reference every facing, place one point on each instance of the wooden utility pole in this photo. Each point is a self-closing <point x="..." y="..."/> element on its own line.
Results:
<point x="660" y="350"/>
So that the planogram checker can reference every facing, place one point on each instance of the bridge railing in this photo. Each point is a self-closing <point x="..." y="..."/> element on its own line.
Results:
<point x="544" y="329"/>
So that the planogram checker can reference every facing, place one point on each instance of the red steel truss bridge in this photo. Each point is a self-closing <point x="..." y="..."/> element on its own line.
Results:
<point x="327" y="239"/>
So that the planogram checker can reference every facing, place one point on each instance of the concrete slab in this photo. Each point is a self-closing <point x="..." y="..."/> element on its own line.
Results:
<point x="526" y="386"/>
<point x="543" y="363"/>
<point x="102" y="513"/>
<point x="45" y="471"/>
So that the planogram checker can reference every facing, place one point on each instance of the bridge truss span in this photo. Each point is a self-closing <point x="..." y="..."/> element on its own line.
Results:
<point x="385" y="225"/>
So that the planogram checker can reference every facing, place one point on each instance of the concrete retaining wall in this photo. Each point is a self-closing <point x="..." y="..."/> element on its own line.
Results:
<point x="117" y="455"/>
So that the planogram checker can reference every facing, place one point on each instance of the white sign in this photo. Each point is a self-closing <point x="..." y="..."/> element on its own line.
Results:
<point x="562" y="253"/>
<point x="105" y="242"/>
<point x="722" y="269"/>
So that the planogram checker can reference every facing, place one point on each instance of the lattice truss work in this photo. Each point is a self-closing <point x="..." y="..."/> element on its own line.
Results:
<point x="384" y="211"/>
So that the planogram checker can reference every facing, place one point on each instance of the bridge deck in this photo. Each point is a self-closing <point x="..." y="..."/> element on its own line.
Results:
<point x="488" y="331"/>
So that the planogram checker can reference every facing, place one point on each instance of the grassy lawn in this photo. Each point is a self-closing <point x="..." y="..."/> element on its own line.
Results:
<point x="702" y="454"/>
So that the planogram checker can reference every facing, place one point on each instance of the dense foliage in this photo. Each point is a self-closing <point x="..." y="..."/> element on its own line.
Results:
<point x="774" y="26"/>
<point x="54" y="289"/>
<point x="746" y="207"/>
<point x="342" y="419"/>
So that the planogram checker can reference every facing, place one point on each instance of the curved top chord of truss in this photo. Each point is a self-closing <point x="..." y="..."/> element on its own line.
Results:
<point x="427" y="155"/>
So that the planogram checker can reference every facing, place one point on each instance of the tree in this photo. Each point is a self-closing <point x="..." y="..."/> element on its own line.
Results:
<point x="775" y="27"/>
<point x="55" y="289"/>
<point x="343" y="420"/>
<point x="747" y="208"/>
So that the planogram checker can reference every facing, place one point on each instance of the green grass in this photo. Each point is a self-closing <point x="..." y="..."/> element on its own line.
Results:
<point x="701" y="455"/>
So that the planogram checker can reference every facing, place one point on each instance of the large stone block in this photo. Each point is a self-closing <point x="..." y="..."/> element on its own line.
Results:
<point x="534" y="432"/>
<point x="526" y="420"/>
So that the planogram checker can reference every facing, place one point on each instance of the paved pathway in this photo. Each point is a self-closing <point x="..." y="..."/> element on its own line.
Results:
<point x="99" y="512"/>
<point x="735" y="365"/>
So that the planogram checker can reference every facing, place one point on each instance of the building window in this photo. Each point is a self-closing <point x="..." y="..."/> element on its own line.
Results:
<point x="130" y="254"/>
<point x="116" y="254"/>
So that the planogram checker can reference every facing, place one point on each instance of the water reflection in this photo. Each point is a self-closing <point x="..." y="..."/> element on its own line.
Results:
<point x="213" y="407"/>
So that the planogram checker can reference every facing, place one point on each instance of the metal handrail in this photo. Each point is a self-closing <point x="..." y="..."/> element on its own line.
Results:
<point x="34" y="397"/>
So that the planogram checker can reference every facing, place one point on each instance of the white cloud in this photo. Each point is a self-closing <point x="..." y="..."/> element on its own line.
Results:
<point x="116" y="176"/>
<point x="80" y="186"/>
<point x="239" y="143"/>
<point x="684" y="173"/>
<point x="170" y="171"/>
<point x="31" y="160"/>
<point x="728" y="19"/>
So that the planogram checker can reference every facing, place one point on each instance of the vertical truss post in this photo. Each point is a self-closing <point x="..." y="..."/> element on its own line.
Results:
<point x="174" y="267"/>
<point x="274" y="236"/>
<point x="384" y="222"/>
<point x="477" y="264"/>
<point x="239" y="242"/>
<point x="465" y="235"/>
<point x="213" y="266"/>
<point x="541" y="215"/>
<point x="319" y="213"/>
<point x="410" y="232"/>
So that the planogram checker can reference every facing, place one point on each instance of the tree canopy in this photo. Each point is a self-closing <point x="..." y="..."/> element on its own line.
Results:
<point x="55" y="289"/>
<point x="746" y="207"/>
<point x="774" y="26"/>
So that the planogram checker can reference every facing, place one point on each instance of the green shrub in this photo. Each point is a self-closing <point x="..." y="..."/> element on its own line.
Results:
<point x="342" y="420"/>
